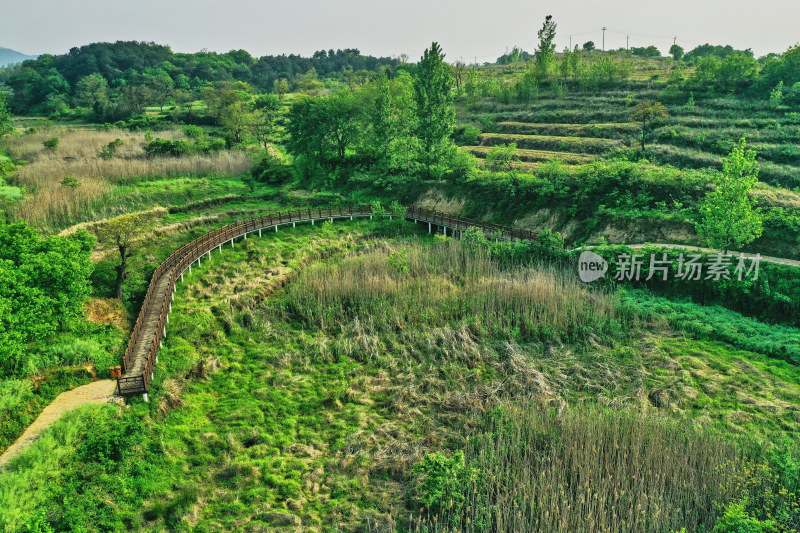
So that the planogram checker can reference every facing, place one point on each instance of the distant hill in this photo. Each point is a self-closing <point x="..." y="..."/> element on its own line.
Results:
<point x="10" y="57"/>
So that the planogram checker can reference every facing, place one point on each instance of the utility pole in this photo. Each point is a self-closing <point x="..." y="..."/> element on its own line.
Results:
<point x="628" y="43"/>
<point x="604" y="38"/>
<point x="570" y="43"/>
<point x="674" y="41"/>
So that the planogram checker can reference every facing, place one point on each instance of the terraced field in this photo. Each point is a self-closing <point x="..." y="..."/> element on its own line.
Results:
<point x="578" y="145"/>
<point x="613" y="130"/>
<point x="695" y="135"/>
<point x="536" y="156"/>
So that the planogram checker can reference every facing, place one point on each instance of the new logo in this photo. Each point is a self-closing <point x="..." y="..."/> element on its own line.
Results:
<point x="591" y="267"/>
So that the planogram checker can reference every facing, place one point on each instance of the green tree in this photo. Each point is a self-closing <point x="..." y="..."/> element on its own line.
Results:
<point x="122" y="232"/>
<point x="676" y="52"/>
<point x="737" y="71"/>
<point x="161" y="86"/>
<point x="502" y="157"/>
<point x="728" y="215"/>
<point x="434" y="102"/>
<point x="280" y="87"/>
<point x="390" y="121"/>
<point x="265" y="114"/>
<point x="322" y="129"/>
<point x="43" y="283"/>
<point x="92" y="92"/>
<point x="6" y="124"/>
<point x="645" y="114"/>
<point x="545" y="52"/>
<point x="589" y="46"/>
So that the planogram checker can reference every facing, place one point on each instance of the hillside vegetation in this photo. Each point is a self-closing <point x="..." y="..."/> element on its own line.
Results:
<point x="373" y="375"/>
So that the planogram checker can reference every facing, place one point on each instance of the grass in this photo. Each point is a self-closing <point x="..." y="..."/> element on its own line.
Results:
<point x="581" y="145"/>
<point x="307" y="406"/>
<point x="608" y="130"/>
<point x="534" y="156"/>
<point x="51" y="202"/>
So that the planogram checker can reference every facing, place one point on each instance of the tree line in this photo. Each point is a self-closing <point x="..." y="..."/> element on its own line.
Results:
<point x="115" y="79"/>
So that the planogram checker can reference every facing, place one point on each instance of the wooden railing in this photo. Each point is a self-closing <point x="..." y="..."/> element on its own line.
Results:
<point x="181" y="259"/>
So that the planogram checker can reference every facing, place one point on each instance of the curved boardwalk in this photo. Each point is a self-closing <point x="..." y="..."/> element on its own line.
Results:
<point x="151" y="326"/>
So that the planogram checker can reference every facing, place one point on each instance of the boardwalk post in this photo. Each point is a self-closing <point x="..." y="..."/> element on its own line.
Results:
<point x="429" y="228"/>
<point x="231" y="243"/>
<point x="190" y="268"/>
<point x="276" y="228"/>
<point x="144" y="397"/>
<point x="312" y="221"/>
<point x="181" y="277"/>
<point x="259" y="232"/>
<point x="220" y="248"/>
<point x="294" y="224"/>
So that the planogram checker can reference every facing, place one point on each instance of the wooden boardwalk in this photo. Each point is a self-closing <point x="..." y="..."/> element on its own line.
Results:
<point x="147" y="337"/>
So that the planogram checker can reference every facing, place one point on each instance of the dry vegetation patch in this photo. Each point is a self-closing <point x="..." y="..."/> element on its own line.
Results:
<point x="71" y="179"/>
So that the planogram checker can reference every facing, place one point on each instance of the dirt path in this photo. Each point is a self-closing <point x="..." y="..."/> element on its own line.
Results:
<point x="97" y="392"/>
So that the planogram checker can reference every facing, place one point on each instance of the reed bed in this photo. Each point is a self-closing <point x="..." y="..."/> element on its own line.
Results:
<point x="592" y="470"/>
<point x="447" y="283"/>
<point x="51" y="200"/>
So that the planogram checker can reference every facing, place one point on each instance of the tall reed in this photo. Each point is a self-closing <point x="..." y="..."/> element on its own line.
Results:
<point x="51" y="199"/>
<point x="449" y="283"/>
<point x="590" y="471"/>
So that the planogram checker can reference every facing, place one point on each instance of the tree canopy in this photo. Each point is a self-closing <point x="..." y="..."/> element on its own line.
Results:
<point x="729" y="218"/>
<point x="43" y="284"/>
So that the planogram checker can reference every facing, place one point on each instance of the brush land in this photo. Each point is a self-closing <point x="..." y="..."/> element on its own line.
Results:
<point x="368" y="375"/>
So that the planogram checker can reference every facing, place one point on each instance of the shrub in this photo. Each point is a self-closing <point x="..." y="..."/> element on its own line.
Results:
<point x="440" y="482"/>
<point x="272" y="169"/>
<point x="51" y="144"/>
<point x="166" y="147"/>
<point x="192" y="131"/>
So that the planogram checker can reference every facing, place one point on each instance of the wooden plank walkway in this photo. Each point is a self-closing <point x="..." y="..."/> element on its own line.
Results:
<point x="150" y="329"/>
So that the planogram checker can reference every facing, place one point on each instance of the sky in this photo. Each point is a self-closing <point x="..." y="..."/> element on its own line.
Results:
<point x="466" y="30"/>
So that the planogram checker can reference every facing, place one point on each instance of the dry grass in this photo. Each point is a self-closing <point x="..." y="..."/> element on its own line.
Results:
<point x="439" y="285"/>
<point x="77" y="156"/>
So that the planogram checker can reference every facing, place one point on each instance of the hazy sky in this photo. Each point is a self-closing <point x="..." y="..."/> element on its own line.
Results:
<point x="465" y="29"/>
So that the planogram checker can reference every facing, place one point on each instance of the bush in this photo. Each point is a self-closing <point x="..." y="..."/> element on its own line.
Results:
<point x="440" y="482"/>
<point x="165" y="147"/>
<point x="272" y="169"/>
<point x="51" y="144"/>
<point x="192" y="131"/>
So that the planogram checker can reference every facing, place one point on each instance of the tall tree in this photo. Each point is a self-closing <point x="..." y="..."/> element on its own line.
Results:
<point x="676" y="52"/>
<point x="161" y="86"/>
<point x="6" y="125"/>
<point x="433" y="94"/>
<point x="280" y="87"/>
<point x="265" y="112"/>
<point x="122" y="232"/>
<point x="645" y="113"/>
<point x="729" y="218"/>
<point x="545" y="52"/>
<point x="91" y="91"/>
